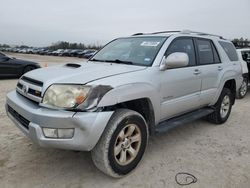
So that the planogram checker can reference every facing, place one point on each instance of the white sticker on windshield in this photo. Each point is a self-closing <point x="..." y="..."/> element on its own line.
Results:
<point x="150" y="43"/>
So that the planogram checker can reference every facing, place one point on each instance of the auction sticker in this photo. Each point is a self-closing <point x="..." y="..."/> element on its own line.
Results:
<point x="150" y="43"/>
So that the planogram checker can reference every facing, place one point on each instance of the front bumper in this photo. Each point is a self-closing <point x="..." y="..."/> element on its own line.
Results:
<point x="88" y="126"/>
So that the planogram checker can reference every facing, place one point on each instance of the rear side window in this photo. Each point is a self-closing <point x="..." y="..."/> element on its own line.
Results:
<point x="205" y="52"/>
<point x="230" y="50"/>
<point x="185" y="45"/>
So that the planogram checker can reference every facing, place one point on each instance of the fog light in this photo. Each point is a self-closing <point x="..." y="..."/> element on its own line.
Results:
<point x="65" y="133"/>
<point x="50" y="133"/>
<point x="58" y="133"/>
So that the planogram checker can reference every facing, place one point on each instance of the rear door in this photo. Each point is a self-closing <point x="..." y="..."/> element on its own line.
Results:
<point x="210" y="65"/>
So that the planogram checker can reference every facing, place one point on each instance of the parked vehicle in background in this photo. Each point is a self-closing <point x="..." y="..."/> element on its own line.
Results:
<point x="11" y="67"/>
<point x="47" y="52"/>
<point x="133" y="87"/>
<point x="65" y="52"/>
<point x="40" y="51"/>
<point x="75" y="52"/>
<point x="81" y="53"/>
<point x="244" y="56"/>
<point x="57" y="52"/>
<point x="87" y="53"/>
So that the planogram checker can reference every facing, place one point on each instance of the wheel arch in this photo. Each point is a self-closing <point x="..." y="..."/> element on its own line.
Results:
<point x="140" y="97"/>
<point x="142" y="105"/>
<point x="230" y="84"/>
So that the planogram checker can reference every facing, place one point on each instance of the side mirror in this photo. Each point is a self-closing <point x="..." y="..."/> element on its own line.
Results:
<point x="174" y="60"/>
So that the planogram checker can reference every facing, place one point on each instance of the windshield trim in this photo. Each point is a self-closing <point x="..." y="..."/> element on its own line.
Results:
<point x="136" y="64"/>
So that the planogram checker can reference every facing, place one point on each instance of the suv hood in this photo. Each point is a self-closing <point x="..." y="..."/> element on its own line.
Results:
<point x="80" y="73"/>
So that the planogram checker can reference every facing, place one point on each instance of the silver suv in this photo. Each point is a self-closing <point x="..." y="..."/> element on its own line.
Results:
<point x="132" y="88"/>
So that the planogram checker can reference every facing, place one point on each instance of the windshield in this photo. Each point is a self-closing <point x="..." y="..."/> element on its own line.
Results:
<point x="134" y="50"/>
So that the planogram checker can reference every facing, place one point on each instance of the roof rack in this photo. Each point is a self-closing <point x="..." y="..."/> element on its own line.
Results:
<point x="181" y="32"/>
<point x="159" y="32"/>
<point x="199" y="33"/>
<point x="154" y="33"/>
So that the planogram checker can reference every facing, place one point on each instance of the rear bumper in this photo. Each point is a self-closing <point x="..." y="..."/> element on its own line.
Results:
<point x="88" y="126"/>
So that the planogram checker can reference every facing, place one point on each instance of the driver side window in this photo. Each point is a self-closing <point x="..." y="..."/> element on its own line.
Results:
<point x="185" y="45"/>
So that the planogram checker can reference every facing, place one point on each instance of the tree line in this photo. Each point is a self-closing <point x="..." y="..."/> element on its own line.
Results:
<point x="60" y="45"/>
<point x="67" y="45"/>
<point x="241" y="43"/>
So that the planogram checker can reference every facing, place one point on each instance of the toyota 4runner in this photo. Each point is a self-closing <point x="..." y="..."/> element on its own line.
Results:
<point x="132" y="88"/>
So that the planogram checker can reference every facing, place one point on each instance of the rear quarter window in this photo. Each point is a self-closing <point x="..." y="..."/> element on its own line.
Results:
<point x="230" y="50"/>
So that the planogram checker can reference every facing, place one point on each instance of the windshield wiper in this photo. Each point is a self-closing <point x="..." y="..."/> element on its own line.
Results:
<point x="95" y="60"/>
<point x="120" y="61"/>
<point x="114" y="61"/>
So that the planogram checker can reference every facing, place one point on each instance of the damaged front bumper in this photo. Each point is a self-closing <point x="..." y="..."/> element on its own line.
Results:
<point x="32" y="118"/>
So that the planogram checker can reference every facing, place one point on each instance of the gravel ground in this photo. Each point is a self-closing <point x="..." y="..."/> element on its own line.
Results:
<point x="218" y="156"/>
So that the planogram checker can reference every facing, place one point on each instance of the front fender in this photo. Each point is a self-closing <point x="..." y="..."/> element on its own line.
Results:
<point x="130" y="92"/>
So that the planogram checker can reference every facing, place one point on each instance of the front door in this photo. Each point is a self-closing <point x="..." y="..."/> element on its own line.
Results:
<point x="180" y="87"/>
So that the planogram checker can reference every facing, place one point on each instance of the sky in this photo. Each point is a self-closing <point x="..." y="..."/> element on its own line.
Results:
<point x="42" y="22"/>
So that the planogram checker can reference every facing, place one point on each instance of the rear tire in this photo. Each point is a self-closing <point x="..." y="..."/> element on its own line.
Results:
<point x="122" y="144"/>
<point x="241" y="93"/>
<point x="222" y="107"/>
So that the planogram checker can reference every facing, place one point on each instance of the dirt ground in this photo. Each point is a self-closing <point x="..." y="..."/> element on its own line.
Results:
<point x="218" y="156"/>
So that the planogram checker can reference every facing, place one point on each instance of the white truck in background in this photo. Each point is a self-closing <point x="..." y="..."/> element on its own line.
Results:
<point x="244" y="58"/>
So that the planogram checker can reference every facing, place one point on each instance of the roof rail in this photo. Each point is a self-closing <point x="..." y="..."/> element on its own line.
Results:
<point x="138" y="34"/>
<point x="159" y="32"/>
<point x="199" y="33"/>
<point x="181" y="32"/>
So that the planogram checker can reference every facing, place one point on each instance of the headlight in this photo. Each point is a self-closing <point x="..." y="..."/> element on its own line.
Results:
<point x="65" y="96"/>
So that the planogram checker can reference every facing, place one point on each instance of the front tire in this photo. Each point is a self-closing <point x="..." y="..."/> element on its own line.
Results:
<point x="122" y="144"/>
<point x="222" y="107"/>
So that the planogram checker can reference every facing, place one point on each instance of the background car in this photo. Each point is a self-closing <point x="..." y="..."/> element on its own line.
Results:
<point x="87" y="53"/>
<point x="11" y="67"/>
<point x="90" y="54"/>
<point x="244" y="57"/>
<point x="65" y="52"/>
<point x="57" y="52"/>
<point x="75" y="52"/>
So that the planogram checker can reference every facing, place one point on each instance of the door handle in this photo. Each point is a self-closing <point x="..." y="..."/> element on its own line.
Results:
<point x="220" y="68"/>
<point x="197" y="72"/>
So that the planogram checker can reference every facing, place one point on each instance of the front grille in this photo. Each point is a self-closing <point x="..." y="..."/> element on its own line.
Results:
<point x="19" y="85"/>
<point x="34" y="92"/>
<point x="30" y="89"/>
<point x="32" y="81"/>
<point x="23" y="121"/>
